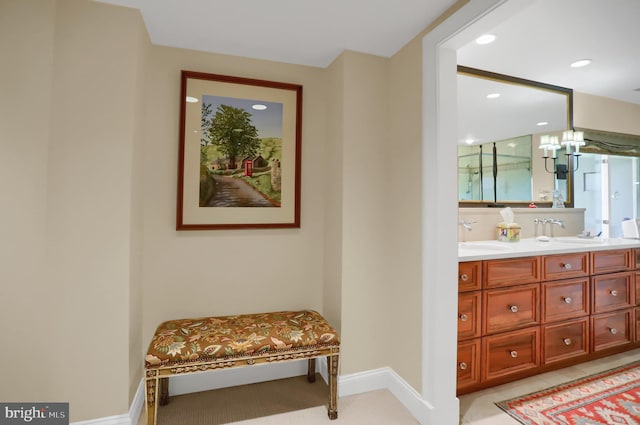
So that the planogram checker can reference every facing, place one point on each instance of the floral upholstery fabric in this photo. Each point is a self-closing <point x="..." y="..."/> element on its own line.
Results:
<point x="213" y="338"/>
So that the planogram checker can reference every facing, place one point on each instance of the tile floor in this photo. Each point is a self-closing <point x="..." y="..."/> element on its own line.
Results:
<point x="479" y="409"/>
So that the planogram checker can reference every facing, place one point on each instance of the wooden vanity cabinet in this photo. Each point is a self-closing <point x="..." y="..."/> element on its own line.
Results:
<point x="565" y="266"/>
<point x="609" y="261"/>
<point x="611" y="330"/>
<point x="510" y="308"/>
<point x="565" y="299"/>
<point x="565" y="340"/>
<point x="469" y="322"/>
<point x="469" y="315"/>
<point x="518" y="317"/>
<point x="510" y="353"/>
<point x="612" y="292"/>
<point x="468" y="365"/>
<point x="469" y="276"/>
<point x="510" y="271"/>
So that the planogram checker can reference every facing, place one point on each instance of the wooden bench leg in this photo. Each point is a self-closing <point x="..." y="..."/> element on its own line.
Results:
<point x="332" y="367"/>
<point x="311" y="372"/>
<point x="150" y="394"/>
<point x="163" y="391"/>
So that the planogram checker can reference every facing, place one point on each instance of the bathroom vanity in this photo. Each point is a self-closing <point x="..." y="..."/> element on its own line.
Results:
<point x="529" y="307"/>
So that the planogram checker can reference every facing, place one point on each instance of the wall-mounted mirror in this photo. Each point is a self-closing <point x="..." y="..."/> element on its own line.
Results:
<point x="500" y="121"/>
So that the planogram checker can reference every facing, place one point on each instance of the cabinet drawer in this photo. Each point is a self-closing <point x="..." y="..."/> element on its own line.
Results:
<point x="469" y="276"/>
<point x="564" y="266"/>
<point x="565" y="299"/>
<point x="511" y="271"/>
<point x="565" y="340"/>
<point x="636" y="255"/>
<point x="616" y="260"/>
<point x="510" y="353"/>
<point x="469" y="314"/>
<point x="611" y="329"/>
<point x="612" y="292"/>
<point x="510" y="308"/>
<point x="468" y="363"/>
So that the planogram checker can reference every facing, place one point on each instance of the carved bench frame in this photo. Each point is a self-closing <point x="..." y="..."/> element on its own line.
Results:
<point x="157" y="377"/>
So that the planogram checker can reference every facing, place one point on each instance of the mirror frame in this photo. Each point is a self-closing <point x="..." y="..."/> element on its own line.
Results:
<point x="508" y="79"/>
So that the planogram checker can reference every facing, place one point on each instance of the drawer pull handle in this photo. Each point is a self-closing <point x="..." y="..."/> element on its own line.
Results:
<point x="513" y="308"/>
<point x="513" y="354"/>
<point x="613" y="331"/>
<point x="567" y="266"/>
<point x="462" y="366"/>
<point x="464" y="317"/>
<point x="567" y="341"/>
<point x="568" y="300"/>
<point x="464" y="277"/>
<point x="613" y="293"/>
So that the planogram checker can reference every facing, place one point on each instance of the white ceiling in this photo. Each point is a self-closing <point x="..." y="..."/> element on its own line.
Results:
<point x="537" y="44"/>
<point x="305" y="32"/>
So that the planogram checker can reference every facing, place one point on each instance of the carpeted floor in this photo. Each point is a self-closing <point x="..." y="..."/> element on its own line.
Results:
<point x="292" y="401"/>
<point x="610" y="397"/>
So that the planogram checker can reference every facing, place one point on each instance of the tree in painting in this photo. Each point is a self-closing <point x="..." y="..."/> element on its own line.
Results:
<point x="231" y="131"/>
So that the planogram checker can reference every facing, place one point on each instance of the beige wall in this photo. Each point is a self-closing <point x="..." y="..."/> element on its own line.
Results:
<point x="601" y="113"/>
<point x="70" y="137"/>
<point x="333" y="194"/>
<point x="26" y="49"/>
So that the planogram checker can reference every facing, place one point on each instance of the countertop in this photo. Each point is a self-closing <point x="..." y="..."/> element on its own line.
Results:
<point x="488" y="250"/>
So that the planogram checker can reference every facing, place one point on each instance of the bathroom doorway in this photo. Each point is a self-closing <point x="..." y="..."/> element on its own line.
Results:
<point x="608" y="187"/>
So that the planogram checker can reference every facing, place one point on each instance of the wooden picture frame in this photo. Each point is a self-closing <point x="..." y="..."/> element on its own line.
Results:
<point x="239" y="158"/>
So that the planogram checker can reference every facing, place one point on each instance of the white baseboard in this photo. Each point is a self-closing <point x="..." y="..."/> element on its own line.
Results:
<point x="127" y="419"/>
<point x="386" y="378"/>
<point x="357" y="383"/>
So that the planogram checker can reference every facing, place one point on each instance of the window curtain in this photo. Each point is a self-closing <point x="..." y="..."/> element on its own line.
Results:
<point x="609" y="143"/>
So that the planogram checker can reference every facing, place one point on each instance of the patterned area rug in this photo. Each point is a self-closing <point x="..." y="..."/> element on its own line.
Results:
<point x="607" y="398"/>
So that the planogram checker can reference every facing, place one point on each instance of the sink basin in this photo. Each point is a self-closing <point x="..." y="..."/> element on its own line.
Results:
<point x="484" y="246"/>
<point x="575" y="239"/>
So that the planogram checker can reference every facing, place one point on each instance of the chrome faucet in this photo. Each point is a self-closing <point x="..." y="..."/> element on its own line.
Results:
<point x="468" y="225"/>
<point x="550" y="222"/>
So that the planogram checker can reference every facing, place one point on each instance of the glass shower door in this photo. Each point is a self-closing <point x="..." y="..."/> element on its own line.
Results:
<point x="607" y="186"/>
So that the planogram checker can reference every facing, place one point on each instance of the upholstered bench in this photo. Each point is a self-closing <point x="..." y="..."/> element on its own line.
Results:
<point x="187" y="346"/>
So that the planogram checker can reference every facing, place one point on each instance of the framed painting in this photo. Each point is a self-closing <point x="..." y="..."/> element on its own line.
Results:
<point x="239" y="159"/>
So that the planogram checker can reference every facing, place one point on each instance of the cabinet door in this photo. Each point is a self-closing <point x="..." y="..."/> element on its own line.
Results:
<point x="612" y="292"/>
<point x="566" y="340"/>
<point x="469" y="314"/>
<point x="511" y="271"/>
<point x="510" y="353"/>
<point x="469" y="276"/>
<point x="510" y="308"/>
<point x="611" y="329"/>
<point x="565" y="299"/>
<point x="468" y="363"/>
<point x="614" y="260"/>
<point x="565" y="266"/>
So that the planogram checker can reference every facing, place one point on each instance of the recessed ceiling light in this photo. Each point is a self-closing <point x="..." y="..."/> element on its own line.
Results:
<point x="192" y="99"/>
<point x="580" y="63"/>
<point x="541" y="123"/>
<point x="486" y="39"/>
<point x="469" y="141"/>
<point x="259" y="107"/>
<point x="493" y="96"/>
